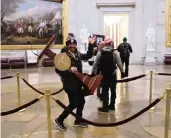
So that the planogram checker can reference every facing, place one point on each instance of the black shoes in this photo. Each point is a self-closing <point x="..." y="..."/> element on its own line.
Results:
<point x="80" y="124"/>
<point x="111" y="108"/>
<point x="101" y="109"/>
<point x="76" y="124"/>
<point x="60" y="125"/>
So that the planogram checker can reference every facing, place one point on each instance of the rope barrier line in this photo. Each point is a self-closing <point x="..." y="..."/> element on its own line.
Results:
<point x="131" y="79"/>
<point x="110" y="124"/>
<point x="21" y="107"/>
<point x="7" y="77"/>
<point x="32" y="86"/>
<point x="57" y="91"/>
<point x="38" y="90"/>
<point x="163" y="95"/>
<point x="119" y="81"/>
<point x="165" y="74"/>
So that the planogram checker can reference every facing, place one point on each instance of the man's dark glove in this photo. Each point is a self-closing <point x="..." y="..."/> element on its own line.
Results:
<point x="122" y="75"/>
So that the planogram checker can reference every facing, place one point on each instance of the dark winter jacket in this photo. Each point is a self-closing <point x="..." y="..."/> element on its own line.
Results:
<point x="121" y="49"/>
<point x="115" y="56"/>
<point x="69" y="80"/>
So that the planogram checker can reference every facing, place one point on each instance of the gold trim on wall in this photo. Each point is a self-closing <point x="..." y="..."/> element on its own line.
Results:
<point x="130" y="4"/>
<point x="168" y="23"/>
<point x="64" y="29"/>
<point x="27" y="47"/>
<point x="65" y="20"/>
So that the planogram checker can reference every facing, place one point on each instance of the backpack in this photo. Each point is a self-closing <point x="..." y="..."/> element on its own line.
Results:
<point x="126" y="50"/>
<point x="107" y="63"/>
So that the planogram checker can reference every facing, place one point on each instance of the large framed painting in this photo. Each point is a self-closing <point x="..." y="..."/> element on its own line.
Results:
<point x="29" y="24"/>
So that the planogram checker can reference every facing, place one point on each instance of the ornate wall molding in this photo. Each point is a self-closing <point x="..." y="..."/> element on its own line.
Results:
<point x="98" y="5"/>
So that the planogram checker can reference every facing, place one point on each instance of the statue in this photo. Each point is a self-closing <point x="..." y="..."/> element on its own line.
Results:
<point x="150" y="38"/>
<point x="84" y="36"/>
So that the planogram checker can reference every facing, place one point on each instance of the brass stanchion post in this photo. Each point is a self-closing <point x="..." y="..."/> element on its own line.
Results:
<point x="167" y="112"/>
<point x="151" y="89"/>
<point x="48" y="113"/>
<point x="18" y="88"/>
<point x="151" y="86"/>
<point x="18" y="91"/>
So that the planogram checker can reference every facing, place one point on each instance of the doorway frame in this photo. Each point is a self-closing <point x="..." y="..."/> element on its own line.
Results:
<point x="117" y="28"/>
<point x="116" y="8"/>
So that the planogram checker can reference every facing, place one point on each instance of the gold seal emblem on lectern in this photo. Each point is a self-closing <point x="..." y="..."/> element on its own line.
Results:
<point x="62" y="62"/>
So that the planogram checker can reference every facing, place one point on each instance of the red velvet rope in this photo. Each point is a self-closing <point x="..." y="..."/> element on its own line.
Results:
<point x="7" y="77"/>
<point x="110" y="124"/>
<point x="38" y="90"/>
<point x="165" y="74"/>
<point x="19" y="108"/>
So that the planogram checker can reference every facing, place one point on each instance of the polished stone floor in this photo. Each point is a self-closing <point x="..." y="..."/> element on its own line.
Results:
<point x="131" y="98"/>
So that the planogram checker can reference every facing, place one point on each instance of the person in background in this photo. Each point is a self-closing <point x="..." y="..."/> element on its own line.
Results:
<point x="107" y="59"/>
<point x="125" y="49"/>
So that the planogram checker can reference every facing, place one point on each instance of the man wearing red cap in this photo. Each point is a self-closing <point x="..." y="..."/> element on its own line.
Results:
<point x="72" y="85"/>
<point x="107" y="59"/>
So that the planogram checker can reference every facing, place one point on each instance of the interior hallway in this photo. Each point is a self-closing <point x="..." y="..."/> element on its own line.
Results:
<point x="131" y="98"/>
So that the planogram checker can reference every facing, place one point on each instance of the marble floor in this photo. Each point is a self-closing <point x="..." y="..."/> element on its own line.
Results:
<point x="131" y="98"/>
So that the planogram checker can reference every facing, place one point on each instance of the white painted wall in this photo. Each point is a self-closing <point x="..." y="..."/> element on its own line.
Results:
<point x="160" y="31"/>
<point x="85" y="12"/>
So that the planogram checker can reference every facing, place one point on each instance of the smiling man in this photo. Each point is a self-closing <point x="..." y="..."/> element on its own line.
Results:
<point x="72" y="85"/>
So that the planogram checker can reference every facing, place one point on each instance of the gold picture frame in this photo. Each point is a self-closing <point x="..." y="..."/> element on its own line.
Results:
<point x="37" y="47"/>
<point x="168" y="23"/>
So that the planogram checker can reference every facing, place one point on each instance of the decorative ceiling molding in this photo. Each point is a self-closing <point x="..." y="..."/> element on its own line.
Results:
<point x="100" y="5"/>
<point x="60" y="1"/>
